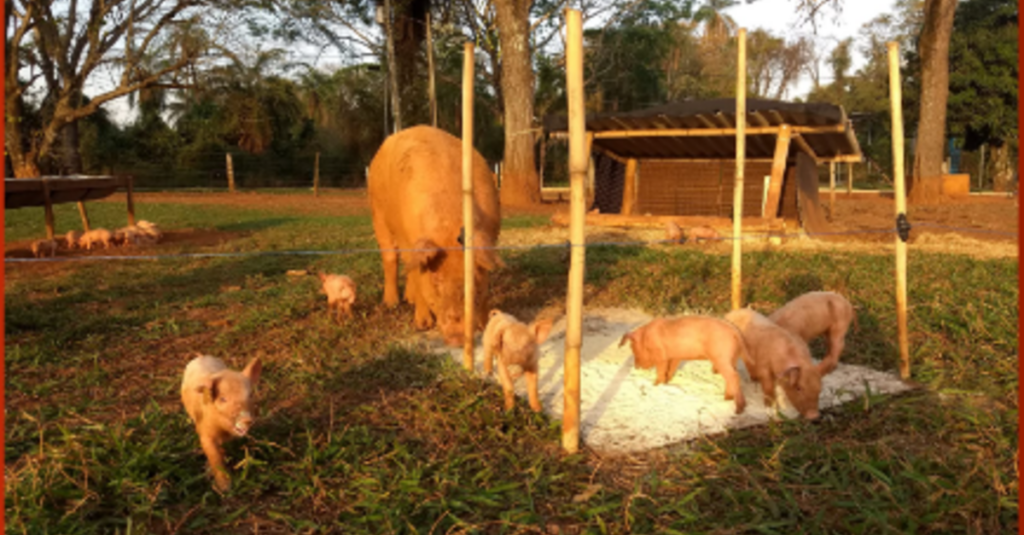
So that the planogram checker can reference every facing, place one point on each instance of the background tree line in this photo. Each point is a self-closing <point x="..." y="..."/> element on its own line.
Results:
<point x="209" y="77"/>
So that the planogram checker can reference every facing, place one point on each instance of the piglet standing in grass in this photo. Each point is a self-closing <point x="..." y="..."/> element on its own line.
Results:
<point x="71" y="239"/>
<point x="97" y="236"/>
<point x="515" y="344"/>
<point x="44" y="248"/>
<point x="341" y="293"/>
<point x="665" y="343"/>
<point x="220" y="403"/>
<point x="775" y="353"/>
<point x="814" y="314"/>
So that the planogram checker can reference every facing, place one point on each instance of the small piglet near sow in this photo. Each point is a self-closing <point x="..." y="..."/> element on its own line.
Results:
<point x="666" y="343"/>
<point x="44" y="248"/>
<point x="220" y="403"/>
<point x="515" y="344"/>
<point x="814" y="314"/>
<point x="775" y="353"/>
<point x="341" y="293"/>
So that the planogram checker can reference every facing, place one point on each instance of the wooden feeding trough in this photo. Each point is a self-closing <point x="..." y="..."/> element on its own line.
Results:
<point x="49" y="190"/>
<point x="678" y="159"/>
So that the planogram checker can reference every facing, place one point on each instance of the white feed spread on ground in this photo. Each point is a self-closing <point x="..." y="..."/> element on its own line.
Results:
<point x="622" y="411"/>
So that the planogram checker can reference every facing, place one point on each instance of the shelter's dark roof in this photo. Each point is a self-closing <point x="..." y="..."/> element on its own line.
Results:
<point x="718" y="114"/>
<point x="22" y="192"/>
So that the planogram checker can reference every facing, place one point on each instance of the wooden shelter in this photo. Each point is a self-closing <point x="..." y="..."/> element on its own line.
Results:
<point x="678" y="159"/>
<point x="49" y="190"/>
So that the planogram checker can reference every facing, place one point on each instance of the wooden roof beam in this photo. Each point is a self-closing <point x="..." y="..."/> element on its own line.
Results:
<point x="802" y="143"/>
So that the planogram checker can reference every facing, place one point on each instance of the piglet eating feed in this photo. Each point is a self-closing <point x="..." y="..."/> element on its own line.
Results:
<point x="71" y="238"/>
<point x="341" y="293"/>
<point x="44" y="248"/>
<point x="97" y="236"/>
<point x="814" y="314"/>
<point x="220" y="403"/>
<point x="515" y="344"/>
<point x="701" y="233"/>
<point x="775" y="353"/>
<point x="666" y="343"/>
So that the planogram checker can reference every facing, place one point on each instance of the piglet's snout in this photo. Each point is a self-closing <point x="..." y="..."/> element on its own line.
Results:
<point x="243" y="423"/>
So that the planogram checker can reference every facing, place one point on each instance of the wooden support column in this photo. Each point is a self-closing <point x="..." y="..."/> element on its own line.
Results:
<point x="771" y="204"/>
<point x="85" y="216"/>
<point x="48" y="209"/>
<point x="849" y="178"/>
<point x="467" y="202"/>
<point x="896" y="103"/>
<point x="579" y="154"/>
<point x="316" y="175"/>
<point x="629" y="190"/>
<point x="831" y="191"/>
<point x="231" y="174"/>
<point x="131" y="201"/>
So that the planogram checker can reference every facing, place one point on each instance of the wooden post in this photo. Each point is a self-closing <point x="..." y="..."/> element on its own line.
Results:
<point x="629" y="189"/>
<point x="316" y="175"/>
<point x="579" y="157"/>
<point x="48" y="209"/>
<point x="771" y="203"/>
<point x="430" y="72"/>
<point x="85" y="216"/>
<point x="849" y="178"/>
<point x="131" y="201"/>
<point x="741" y="150"/>
<point x="896" y="101"/>
<point x="467" y="200"/>
<point x="231" y="174"/>
<point x="831" y="190"/>
<point x="543" y="154"/>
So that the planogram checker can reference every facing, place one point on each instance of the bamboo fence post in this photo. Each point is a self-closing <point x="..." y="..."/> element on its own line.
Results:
<point x="467" y="199"/>
<point x="430" y="69"/>
<point x="130" y="185"/>
<point x="831" y="190"/>
<point x="48" y="209"/>
<point x="316" y="175"/>
<point x="85" y="216"/>
<point x="741" y="148"/>
<point x="579" y="159"/>
<point x="231" y="174"/>
<point x="896" y="101"/>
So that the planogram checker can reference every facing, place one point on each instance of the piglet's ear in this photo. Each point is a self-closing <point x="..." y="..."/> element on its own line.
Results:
<point x="253" y="371"/>
<point x="791" y="376"/>
<point x="322" y="276"/>
<point x="628" y="337"/>
<point x="541" y="330"/>
<point x="209" y="390"/>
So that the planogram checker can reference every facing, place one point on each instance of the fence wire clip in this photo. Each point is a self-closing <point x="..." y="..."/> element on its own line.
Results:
<point x="903" y="227"/>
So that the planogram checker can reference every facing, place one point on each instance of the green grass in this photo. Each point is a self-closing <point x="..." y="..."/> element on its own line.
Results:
<point x="363" y="433"/>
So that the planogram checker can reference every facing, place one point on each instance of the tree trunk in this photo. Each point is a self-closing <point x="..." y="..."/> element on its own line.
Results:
<point x="72" y="156"/>
<point x="24" y="161"/>
<point x="1002" y="173"/>
<point x="926" y="183"/>
<point x="519" y="185"/>
<point x="409" y="34"/>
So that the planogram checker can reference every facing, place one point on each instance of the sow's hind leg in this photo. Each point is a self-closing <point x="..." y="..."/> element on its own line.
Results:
<point x="389" y="257"/>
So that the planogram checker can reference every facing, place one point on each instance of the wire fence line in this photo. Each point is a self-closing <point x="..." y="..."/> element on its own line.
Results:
<point x="560" y="245"/>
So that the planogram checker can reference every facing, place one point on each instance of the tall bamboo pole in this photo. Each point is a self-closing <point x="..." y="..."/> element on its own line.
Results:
<point x="741" y="151"/>
<point x="467" y="200"/>
<point x="896" y="101"/>
<point x="579" y="158"/>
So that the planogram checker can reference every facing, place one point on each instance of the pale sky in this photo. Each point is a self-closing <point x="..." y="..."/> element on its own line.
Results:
<point x="777" y="16"/>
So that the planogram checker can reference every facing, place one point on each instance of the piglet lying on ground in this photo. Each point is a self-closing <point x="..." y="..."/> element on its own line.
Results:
<point x="219" y="402"/>
<point x="44" y="248"/>
<point x="701" y="233"/>
<point x="775" y="353"/>
<point x="673" y="232"/>
<point x="515" y="344"/>
<point x="341" y="293"/>
<point x="149" y="229"/>
<point x="814" y="314"/>
<point x="666" y="343"/>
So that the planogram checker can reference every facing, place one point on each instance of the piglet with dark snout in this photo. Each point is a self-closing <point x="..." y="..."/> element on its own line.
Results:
<point x="341" y="293"/>
<point x="515" y="344"/>
<point x="775" y="353"/>
<point x="666" y="343"/>
<point x="220" y="403"/>
<point x="814" y="314"/>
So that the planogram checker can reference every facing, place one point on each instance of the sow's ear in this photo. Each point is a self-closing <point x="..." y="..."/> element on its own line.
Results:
<point x="424" y="252"/>
<point x="628" y="337"/>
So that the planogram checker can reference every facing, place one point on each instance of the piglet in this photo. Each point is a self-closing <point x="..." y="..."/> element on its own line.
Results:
<point x="97" y="236"/>
<point x="701" y="233"/>
<point x="44" y="248"/>
<point x="665" y="343"/>
<point x="220" y="403"/>
<point x="814" y="314"/>
<point x="775" y="353"/>
<point x="71" y="238"/>
<point x="341" y="293"/>
<point x="515" y="344"/>
<point x="150" y="229"/>
<point x="674" y="233"/>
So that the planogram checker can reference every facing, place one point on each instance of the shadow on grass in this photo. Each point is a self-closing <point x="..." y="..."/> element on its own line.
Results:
<point x="253" y="225"/>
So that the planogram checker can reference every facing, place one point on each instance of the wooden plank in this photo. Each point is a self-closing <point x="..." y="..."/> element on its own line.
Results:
<point x="802" y="143"/>
<point x="831" y="190"/>
<point x="705" y="132"/>
<point x="131" y="202"/>
<point x="771" y="204"/>
<point x="629" y="188"/>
